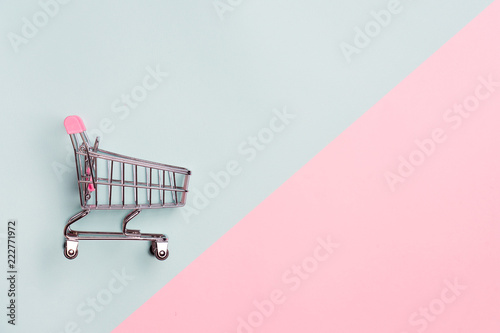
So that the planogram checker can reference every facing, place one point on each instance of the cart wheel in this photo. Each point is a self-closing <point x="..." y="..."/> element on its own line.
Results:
<point x="160" y="254"/>
<point x="70" y="253"/>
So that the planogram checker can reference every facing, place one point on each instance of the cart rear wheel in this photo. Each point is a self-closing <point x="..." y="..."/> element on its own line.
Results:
<point x="71" y="252"/>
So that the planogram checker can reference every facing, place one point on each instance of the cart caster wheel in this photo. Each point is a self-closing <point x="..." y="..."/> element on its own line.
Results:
<point x="70" y="254"/>
<point x="159" y="253"/>
<point x="71" y="249"/>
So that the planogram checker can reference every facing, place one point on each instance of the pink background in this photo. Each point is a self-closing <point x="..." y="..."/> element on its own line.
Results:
<point x="398" y="250"/>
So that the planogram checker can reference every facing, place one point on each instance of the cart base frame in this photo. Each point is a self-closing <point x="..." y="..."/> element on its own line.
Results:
<point x="159" y="242"/>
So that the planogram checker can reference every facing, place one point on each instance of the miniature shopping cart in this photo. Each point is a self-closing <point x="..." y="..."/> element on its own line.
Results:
<point x="111" y="181"/>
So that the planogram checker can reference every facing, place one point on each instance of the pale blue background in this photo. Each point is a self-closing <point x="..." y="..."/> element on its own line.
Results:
<point x="226" y="77"/>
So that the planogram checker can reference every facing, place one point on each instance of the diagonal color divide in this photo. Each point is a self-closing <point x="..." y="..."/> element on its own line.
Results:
<point x="340" y="248"/>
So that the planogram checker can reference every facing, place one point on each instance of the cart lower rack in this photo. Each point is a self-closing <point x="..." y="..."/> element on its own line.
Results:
<point x="110" y="181"/>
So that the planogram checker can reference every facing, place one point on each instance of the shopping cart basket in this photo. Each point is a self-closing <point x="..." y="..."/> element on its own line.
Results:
<point x="111" y="181"/>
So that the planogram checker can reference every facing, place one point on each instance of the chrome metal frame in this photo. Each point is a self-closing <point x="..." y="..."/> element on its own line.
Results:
<point x="163" y="186"/>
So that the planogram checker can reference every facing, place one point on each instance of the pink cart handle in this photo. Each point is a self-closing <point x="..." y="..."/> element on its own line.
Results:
<point x="74" y="124"/>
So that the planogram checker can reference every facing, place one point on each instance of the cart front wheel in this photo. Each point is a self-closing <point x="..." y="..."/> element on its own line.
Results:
<point x="162" y="255"/>
<point x="160" y="252"/>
